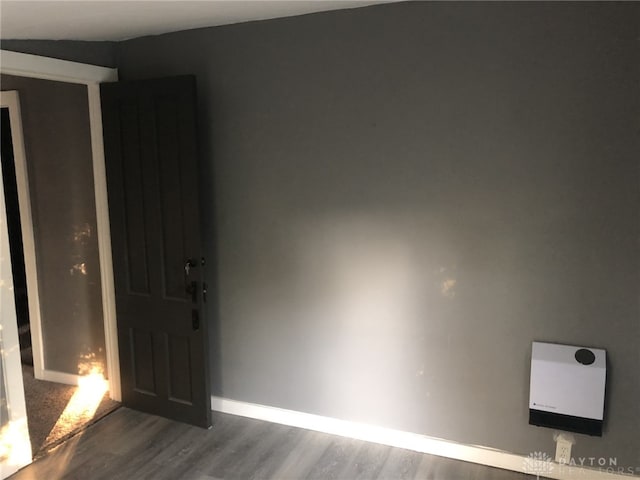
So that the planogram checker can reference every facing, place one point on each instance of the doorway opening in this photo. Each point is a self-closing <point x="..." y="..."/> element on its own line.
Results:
<point x="14" y="435"/>
<point x="55" y="411"/>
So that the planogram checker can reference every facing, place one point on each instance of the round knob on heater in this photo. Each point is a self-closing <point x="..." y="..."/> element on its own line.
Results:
<point x="585" y="357"/>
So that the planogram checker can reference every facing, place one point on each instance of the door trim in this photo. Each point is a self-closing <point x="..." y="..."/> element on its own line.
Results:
<point x="45" y="68"/>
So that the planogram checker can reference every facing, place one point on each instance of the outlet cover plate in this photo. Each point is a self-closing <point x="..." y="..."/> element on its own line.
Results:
<point x="563" y="451"/>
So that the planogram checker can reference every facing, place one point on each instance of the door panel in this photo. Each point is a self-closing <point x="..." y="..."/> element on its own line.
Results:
<point x="151" y="160"/>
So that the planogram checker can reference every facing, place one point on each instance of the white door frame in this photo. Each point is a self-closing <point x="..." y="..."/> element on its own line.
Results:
<point x="24" y="65"/>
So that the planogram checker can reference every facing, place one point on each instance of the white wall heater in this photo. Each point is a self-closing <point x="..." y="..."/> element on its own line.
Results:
<point x="567" y="387"/>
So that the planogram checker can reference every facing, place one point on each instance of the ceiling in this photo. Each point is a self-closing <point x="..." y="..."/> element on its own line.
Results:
<point x="124" y="19"/>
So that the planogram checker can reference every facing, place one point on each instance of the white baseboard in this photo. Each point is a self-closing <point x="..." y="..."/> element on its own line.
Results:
<point x="406" y="440"/>
<point x="60" y="377"/>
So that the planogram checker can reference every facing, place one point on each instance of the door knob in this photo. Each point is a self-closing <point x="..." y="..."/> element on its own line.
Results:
<point x="189" y="264"/>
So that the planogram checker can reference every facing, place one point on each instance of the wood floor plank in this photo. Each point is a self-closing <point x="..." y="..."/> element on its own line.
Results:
<point x="499" y="474"/>
<point x="129" y="445"/>
<point x="227" y="466"/>
<point x="96" y="467"/>
<point x="303" y="456"/>
<point x="227" y="440"/>
<point x="400" y="465"/>
<point x="270" y="454"/>
<point x="138" y="435"/>
<point x="439" y="468"/>
<point x="195" y="443"/>
<point x="251" y="452"/>
<point x="368" y="462"/>
<point x="168" y="444"/>
<point x="335" y="459"/>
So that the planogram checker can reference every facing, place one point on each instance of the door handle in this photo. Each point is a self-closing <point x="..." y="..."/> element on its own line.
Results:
<point x="188" y="265"/>
<point x="191" y="263"/>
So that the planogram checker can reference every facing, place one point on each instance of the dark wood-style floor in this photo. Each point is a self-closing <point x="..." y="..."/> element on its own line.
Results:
<point x="130" y="445"/>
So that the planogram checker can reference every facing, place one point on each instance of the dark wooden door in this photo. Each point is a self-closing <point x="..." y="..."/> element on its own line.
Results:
<point x="151" y="161"/>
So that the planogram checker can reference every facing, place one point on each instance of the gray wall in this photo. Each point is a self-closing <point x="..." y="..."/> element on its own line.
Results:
<point x="402" y="198"/>
<point x="55" y="121"/>
<point x="96" y="53"/>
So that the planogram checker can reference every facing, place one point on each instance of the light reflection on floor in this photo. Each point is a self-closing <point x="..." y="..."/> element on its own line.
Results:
<point x="81" y="407"/>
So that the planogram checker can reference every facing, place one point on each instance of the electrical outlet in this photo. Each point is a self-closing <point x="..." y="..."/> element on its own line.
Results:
<point x="563" y="451"/>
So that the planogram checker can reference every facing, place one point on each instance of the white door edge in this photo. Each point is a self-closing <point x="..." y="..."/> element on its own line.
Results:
<point x="15" y="446"/>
